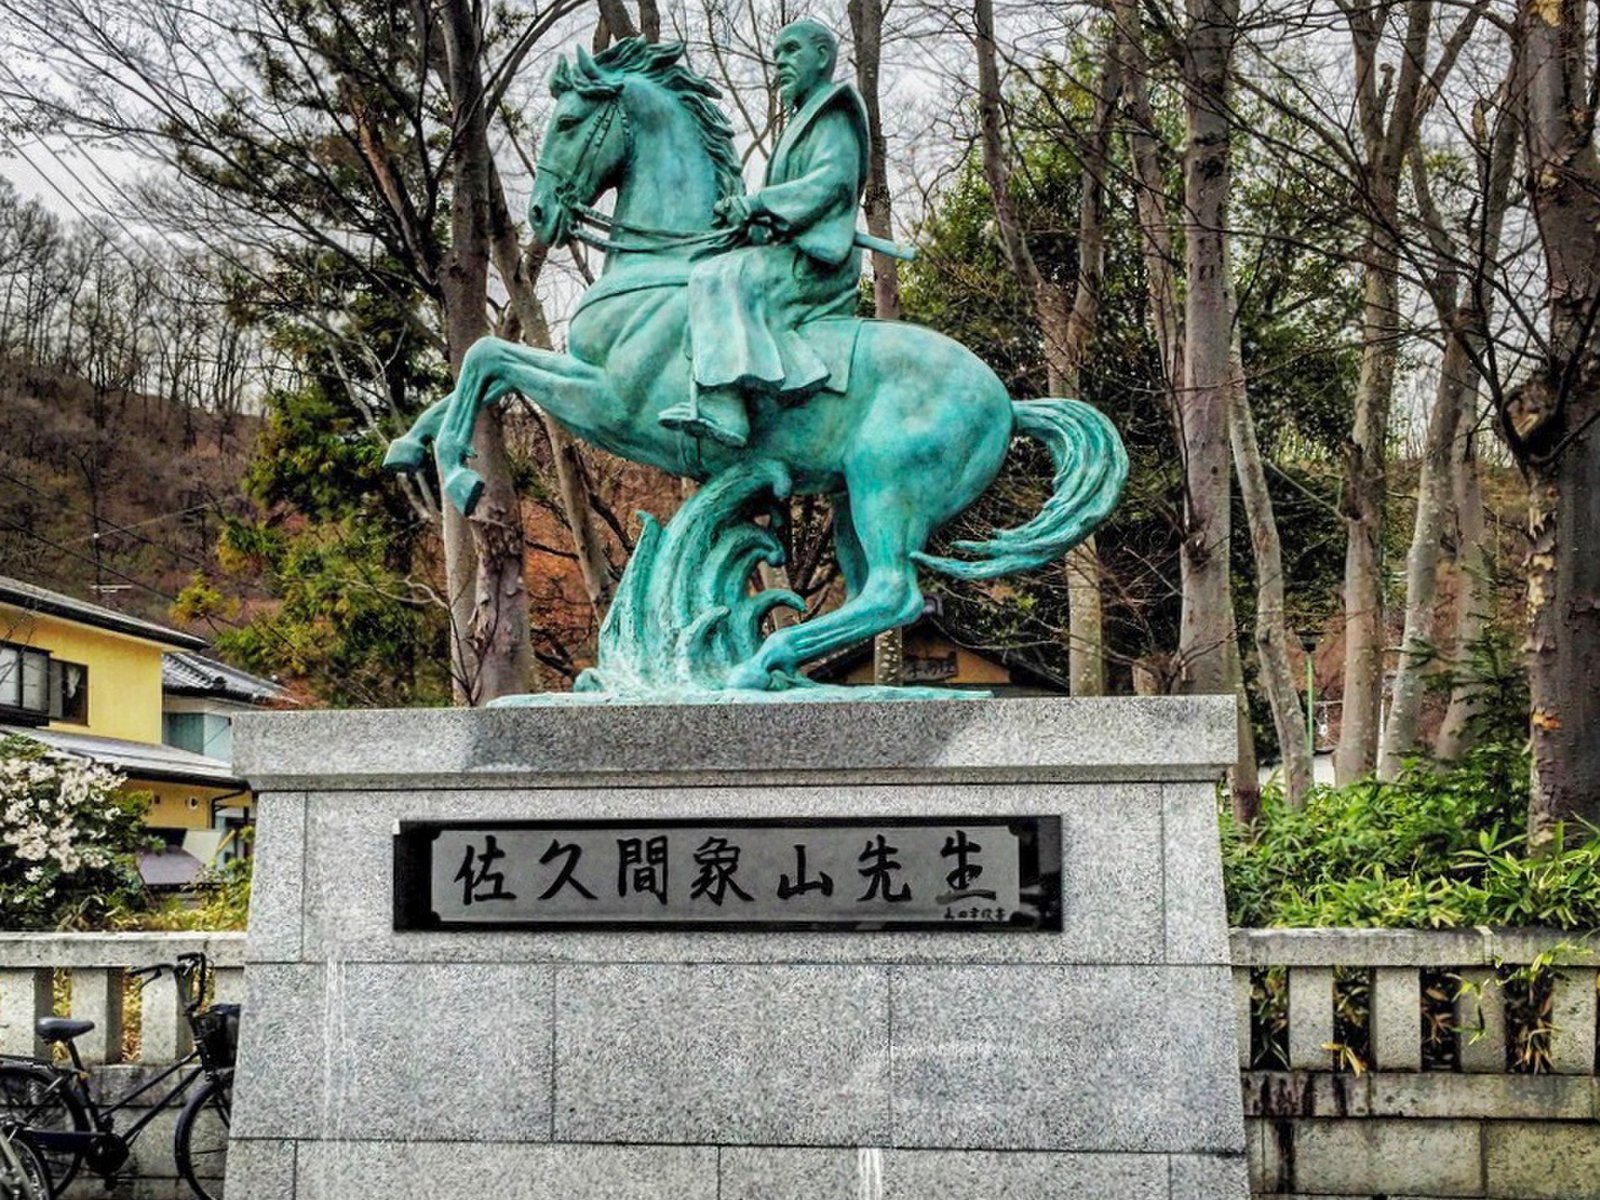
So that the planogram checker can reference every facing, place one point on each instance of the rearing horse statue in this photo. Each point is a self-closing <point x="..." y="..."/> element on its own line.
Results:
<point x="913" y="429"/>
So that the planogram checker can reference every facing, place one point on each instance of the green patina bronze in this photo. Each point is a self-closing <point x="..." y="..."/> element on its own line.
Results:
<point x="717" y="343"/>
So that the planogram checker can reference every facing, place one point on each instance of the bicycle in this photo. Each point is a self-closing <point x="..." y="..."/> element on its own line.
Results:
<point x="23" y="1175"/>
<point x="55" y="1112"/>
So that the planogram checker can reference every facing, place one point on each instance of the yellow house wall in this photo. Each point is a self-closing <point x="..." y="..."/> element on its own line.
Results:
<point x="124" y="672"/>
<point x="171" y="808"/>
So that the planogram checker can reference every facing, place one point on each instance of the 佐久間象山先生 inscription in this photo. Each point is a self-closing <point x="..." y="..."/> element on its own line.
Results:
<point x="990" y="873"/>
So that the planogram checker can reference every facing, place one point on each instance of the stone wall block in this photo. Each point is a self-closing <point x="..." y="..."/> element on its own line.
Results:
<point x="260" y="1169"/>
<point x="502" y="1171"/>
<point x="770" y="1173"/>
<point x="1310" y="1017"/>
<point x="1196" y="928"/>
<point x="164" y="1033"/>
<point x="288" y="1095"/>
<point x="996" y="1057"/>
<point x="1111" y="880"/>
<point x="1378" y="1157"/>
<point x="413" y="1033"/>
<point x="229" y="988"/>
<point x="1204" y="1177"/>
<point x="1396" y="1018"/>
<point x="278" y="881"/>
<point x="24" y="998"/>
<point x="1243" y="1008"/>
<point x="778" y="1055"/>
<point x="1480" y="1016"/>
<point x="1572" y="1017"/>
<point x="97" y="997"/>
<point x="1542" y="1161"/>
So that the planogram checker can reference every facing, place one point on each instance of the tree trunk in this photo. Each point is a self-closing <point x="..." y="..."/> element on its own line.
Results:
<point x="519" y="274"/>
<point x="1206" y="622"/>
<point x="1151" y="202"/>
<point x="1208" y="646"/>
<point x="1086" y="661"/>
<point x="1554" y="422"/>
<point x="1457" y="391"/>
<point x="1385" y="141"/>
<point x="1066" y="329"/>
<point x="1449" y="521"/>
<point x="619" y="24"/>
<point x="1363" y="500"/>
<point x="1272" y="630"/>
<point x="866" y="27"/>
<point x="496" y="658"/>
<point x="1472" y="598"/>
<point x="1049" y="300"/>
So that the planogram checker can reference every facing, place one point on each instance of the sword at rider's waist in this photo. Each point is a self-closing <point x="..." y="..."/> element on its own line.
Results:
<point x="884" y="246"/>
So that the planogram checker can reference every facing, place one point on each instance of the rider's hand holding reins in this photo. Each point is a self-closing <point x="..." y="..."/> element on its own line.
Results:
<point x="736" y="212"/>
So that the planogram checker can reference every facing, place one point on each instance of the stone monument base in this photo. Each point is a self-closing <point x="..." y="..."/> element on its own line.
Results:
<point x="1095" y="1063"/>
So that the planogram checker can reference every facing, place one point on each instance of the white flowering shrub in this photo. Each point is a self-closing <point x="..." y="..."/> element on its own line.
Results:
<point x="67" y="840"/>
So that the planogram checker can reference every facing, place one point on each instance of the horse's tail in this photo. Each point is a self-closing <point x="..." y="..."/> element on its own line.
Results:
<point x="1090" y="469"/>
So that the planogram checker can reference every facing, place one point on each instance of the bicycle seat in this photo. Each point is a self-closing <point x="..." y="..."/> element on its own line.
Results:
<point x="61" y="1029"/>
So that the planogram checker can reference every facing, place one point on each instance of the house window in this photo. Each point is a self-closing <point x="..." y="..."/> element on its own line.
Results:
<point x="35" y="688"/>
<point x="69" y="691"/>
<point x="186" y="731"/>
<point x="25" y="684"/>
<point x="200" y="733"/>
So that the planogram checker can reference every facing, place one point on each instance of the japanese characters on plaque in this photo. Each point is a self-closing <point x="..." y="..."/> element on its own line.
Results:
<point x="990" y="873"/>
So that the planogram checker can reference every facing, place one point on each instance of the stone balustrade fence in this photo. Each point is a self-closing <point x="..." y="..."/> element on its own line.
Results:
<point x="1395" y="1062"/>
<point x="95" y="967"/>
<point x="85" y="975"/>
<point x="1373" y="1062"/>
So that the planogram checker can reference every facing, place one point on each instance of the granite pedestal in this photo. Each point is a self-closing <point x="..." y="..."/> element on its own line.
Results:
<point x="1097" y="1063"/>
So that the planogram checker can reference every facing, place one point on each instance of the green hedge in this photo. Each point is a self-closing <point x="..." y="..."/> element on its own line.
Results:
<point x="1436" y="848"/>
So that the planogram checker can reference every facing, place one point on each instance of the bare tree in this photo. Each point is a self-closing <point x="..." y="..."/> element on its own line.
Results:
<point x="1390" y="106"/>
<point x="366" y="132"/>
<point x="1552" y="420"/>
<point x="1067" y="326"/>
<point x="1272" y="629"/>
<point x="1462" y="308"/>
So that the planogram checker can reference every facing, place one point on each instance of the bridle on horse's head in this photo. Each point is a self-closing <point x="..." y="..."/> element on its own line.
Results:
<point x="566" y="193"/>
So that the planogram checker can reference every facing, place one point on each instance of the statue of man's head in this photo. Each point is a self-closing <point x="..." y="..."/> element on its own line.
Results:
<point x="805" y="53"/>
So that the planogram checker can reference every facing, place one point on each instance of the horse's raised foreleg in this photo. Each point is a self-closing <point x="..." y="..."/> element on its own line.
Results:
<point x="886" y="530"/>
<point x="408" y="450"/>
<point x="573" y="392"/>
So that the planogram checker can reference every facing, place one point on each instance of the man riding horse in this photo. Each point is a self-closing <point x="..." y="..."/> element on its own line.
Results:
<point x="908" y="429"/>
<point x="802" y="261"/>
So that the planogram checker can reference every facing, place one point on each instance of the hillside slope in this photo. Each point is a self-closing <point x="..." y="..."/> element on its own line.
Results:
<point x="111" y="496"/>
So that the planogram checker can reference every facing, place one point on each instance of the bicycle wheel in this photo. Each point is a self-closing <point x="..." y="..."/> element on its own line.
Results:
<point x="23" y="1175"/>
<point x="39" y="1100"/>
<point x="200" y="1143"/>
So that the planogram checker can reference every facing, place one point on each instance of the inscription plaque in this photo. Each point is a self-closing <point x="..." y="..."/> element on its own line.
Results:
<point x="948" y="873"/>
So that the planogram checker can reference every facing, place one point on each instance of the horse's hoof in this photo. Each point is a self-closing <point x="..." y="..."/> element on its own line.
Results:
<point x="748" y="677"/>
<point x="405" y="454"/>
<point x="464" y="488"/>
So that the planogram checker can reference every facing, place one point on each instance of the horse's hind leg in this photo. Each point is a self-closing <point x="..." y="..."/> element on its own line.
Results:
<point x="847" y="547"/>
<point x="888" y="595"/>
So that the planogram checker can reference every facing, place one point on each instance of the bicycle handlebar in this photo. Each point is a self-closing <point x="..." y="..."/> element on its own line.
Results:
<point x="192" y="970"/>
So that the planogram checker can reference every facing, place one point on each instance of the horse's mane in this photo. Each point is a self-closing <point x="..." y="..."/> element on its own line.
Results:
<point x="660" y="62"/>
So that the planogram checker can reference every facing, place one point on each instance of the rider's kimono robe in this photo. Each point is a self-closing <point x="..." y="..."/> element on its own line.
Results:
<point x="745" y="304"/>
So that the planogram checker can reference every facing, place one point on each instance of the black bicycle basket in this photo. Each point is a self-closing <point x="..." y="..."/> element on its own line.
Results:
<point x="217" y="1035"/>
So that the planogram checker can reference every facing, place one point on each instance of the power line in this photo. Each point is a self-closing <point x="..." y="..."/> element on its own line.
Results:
<point x="95" y="517"/>
<point x="211" y="619"/>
